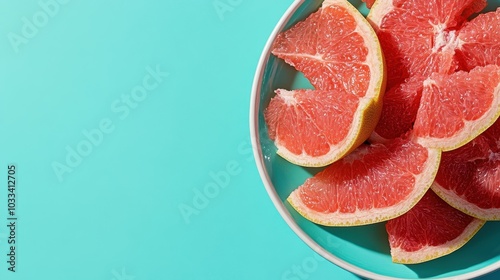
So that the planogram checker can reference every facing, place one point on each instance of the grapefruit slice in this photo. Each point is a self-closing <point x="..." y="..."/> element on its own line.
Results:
<point x="374" y="183"/>
<point x="334" y="47"/>
<point x="479" y="41"/>
<point x="430" y="230"/>
<point x="418" y="37"/>
<point x="316" y="127"/>
<point x="338" y="51"/>
<point x="456" y="108"/>
<point x="469" y="177"/>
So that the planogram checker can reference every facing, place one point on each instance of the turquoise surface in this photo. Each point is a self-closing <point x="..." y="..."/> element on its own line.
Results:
<point x="127" y="124"/>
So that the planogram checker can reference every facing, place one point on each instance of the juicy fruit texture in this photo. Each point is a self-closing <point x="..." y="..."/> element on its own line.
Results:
<point x="469" y="177"/>
<point x="300" y="123"/>
<point x="429" y="230"/>
<point x="479" y="41"/>
<point x="334" y="47"/>
<point x="456" y="108"/>
<point x="402" y="101"/>
<point x="374" y="183"/>
<point x="421" y="37"/>
<point x="338" y="52"/>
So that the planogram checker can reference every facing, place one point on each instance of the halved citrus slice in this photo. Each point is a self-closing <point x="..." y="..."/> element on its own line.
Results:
<point x="431" y="229"/>
<point x="469" y="177"/>
<point x="374" y="183"/>
<point x="456" y="108"/>
<point x="338" y="51"/>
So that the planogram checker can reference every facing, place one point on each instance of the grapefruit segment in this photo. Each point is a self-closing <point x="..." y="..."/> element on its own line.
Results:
<point x="338" y="51"/>
<point x="479" y="41"/>
<point x="334" y="47"/>
<point x="300" y="123"/>
<point x="469" y="177"/>
<point x="429" y="230"/>
<point x="374" y="183"/>
<point x="456" y="108"/>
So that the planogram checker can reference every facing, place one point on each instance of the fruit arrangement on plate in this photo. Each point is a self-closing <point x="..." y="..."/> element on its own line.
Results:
<point x="403" y="118"/>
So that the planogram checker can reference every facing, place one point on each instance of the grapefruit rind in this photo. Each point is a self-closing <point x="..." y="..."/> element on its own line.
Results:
<point x="432" y="252"/>
<point x="490" y="214"/>
<point x="370" y="106"/>
<point x="423" y="182"/>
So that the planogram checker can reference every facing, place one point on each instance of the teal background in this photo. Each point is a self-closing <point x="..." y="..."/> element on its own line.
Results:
<point x="118" y="211"/>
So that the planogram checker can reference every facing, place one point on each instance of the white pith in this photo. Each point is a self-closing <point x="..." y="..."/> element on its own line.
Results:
<point x="288" y="97"/>
<point x="444" y="40"/>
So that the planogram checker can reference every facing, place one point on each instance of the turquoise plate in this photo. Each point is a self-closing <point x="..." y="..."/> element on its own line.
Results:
<point x="363" y="250"/>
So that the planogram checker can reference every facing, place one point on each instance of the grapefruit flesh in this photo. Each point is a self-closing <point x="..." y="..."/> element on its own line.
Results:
<point x="402" y="101"/>
<point x="456" y="108"/>
<point x="369" y="3"/>
<point x="479" y="41"/>
<point x="334" y="47"/>
<point x="419" y="37"/>
<point x="374" y="183"/>
<point x="338" y="51"/>
<point x="431" y="229"/>
<point x="469" y="177"/>
<point x="300" y="122"/>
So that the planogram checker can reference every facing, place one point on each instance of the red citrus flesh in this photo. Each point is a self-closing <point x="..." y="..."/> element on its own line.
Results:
<point x="419" y="38"/>
<point x="456" y="108"/>
<point x="369" y="3"/>
<point x="479" y="41"/>
<point x="469" y="177"/>
<point x="431" y="229"/>
<point x="402" y="101"/>
<point x="329" y="50"/>
<point x="302" y="120"/>
<point x="374" y="183"/>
